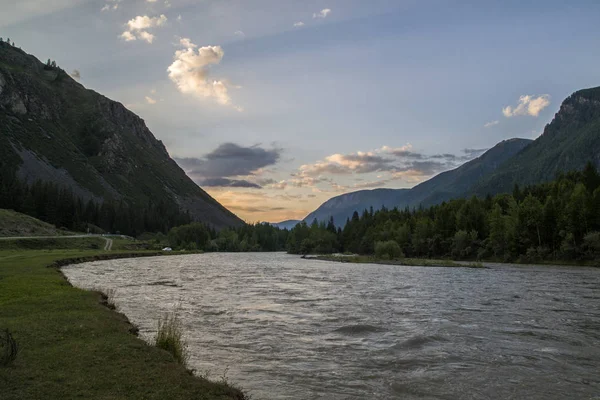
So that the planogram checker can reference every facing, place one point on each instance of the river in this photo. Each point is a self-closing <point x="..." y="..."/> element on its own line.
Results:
<point x="286" y="328"/>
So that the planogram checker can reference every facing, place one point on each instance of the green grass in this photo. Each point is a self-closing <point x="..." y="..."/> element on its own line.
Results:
<point x="169" y="337"/>
<point x="13" y="223"/>
<point x="72" y="346"/>
<point x="416" y="262"/>
<point x="88" y="243"/>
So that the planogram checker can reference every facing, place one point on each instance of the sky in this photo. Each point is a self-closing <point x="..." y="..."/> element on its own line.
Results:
<point x="275" y="106"/>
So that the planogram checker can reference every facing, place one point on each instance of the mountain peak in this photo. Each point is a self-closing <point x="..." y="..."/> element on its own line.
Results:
<point x="57" y="131"/>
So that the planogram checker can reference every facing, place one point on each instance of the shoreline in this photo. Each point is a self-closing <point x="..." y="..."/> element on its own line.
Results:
<point x="408" y="262"/>
<point x="426" y="262"/>
<point x="74" y="345"/>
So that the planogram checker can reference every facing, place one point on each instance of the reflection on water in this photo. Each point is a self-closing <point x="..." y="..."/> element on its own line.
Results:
<point x="289" y="328"/>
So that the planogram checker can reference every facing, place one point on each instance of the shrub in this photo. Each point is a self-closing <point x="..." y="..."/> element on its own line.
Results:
<point x="170" y="338"/>
<point x="9" y="348"/>
<point x="388" y="250"/>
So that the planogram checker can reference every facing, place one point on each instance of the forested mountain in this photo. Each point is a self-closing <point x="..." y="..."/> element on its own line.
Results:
<point x="341" y="207"/>
<point x="89" y="148"/>
<point x="555" y="221"/>
<point x="567" y="143"/>
<point x="442" y="187"/>
<point x="558" y="220"/>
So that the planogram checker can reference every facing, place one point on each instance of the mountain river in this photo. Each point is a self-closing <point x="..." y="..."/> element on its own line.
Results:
<point x="286" y="328"/>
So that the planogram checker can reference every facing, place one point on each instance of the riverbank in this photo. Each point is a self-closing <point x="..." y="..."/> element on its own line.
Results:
<point x="425" y="262"/>
<point x="415" y="262"/>
<point x="73" y="346"/>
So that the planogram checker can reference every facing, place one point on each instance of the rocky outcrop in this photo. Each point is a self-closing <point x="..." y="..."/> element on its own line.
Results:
<point x="53" y="129"/>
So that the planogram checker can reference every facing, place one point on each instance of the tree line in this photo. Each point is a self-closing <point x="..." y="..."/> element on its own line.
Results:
<point x="559" y="220"/>
<point x="58" y="205"/>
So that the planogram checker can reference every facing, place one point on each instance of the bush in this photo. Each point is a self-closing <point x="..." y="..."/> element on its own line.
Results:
<point x="170" y="338"/>
<point x="8" y="348"/>
<point x="388" y="250"/>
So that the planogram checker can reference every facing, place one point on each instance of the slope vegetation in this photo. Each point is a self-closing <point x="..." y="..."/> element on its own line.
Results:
<point x="16" y="224"/>
<point x="567" y="144"/>
<point x="442" y="187"/>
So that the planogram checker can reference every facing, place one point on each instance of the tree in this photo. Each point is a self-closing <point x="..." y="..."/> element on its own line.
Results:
<point x="388" y="250"/>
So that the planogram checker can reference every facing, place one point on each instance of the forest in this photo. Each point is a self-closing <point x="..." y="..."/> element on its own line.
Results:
<point x="558" y="220"/>
<point x="59" y="206"/>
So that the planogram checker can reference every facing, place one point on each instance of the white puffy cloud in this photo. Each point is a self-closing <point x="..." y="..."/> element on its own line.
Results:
<point x="298" y="24"/>
<point x="150" y="100"/>
<point x="240" y="34"/>
<point x="190" y="72"/>
<point x="528" y="105"/>
<point x="138" y="27"/>
<point x="323" y="13"/>
<point x="491" y="123"/>
<point x="128" y="36"/>
<point x="186" y="42"/>
<point x="148" y="37"/>
<point x="142" y="22"/>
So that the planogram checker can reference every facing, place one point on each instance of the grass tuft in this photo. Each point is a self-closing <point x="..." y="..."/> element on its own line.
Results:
<point x="170" y="338"/>
<point x="9" y="348"/>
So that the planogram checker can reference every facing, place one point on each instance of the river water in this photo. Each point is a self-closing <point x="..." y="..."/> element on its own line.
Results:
<point x="286" y="328"/>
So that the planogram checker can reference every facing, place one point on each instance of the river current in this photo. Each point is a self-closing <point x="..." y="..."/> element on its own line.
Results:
<point x="286" y="328"/>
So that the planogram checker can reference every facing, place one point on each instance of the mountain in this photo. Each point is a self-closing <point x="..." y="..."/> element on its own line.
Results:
<point x="55" y="130"/>
<point x="287" y="224"/>
<point x="567" y="143"/>
<point x="342" y="207"/>
<point x="445" y="186"/>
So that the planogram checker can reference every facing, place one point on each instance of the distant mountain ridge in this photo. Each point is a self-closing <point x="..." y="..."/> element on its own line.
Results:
<point x="55" y="130"/>
<point x="567" y="143"/>
<point x="287" y="224"/>
<point x="444" y="186"/>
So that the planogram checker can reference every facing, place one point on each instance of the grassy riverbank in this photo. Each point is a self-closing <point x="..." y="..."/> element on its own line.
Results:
<point x="416" y="262"/>
<point x="71" y="346"/>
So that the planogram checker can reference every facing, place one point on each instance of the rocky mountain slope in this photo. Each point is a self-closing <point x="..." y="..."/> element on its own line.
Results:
<point x="445" y="186"/>
<point x="53" y="129"/>
<point x="567" y="144"/>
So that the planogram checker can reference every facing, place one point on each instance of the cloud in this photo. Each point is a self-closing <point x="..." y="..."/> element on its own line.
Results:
<point x="137" y="28"/>
<point x="491" y="123"/>
<point x="150" y="100"/>
<point x="528" y="105"/>
<point x="142" y="22"/>
<point x="323" y="13"/>
<point x="111" y="5"/>
<point x="240" y="34"/>
<point x="190" y="70"/>
<point x="179" y="18"/>
<point x="76" y="74"/>
<point x="128" y="36"/>
<point x="230" y="164"/>
<point x="148" y="37"/>
<point x="390" y="164"/>
<point x="224" y="182"/>
<point x="298" y="24"/>
<point x="187" y="43"/>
